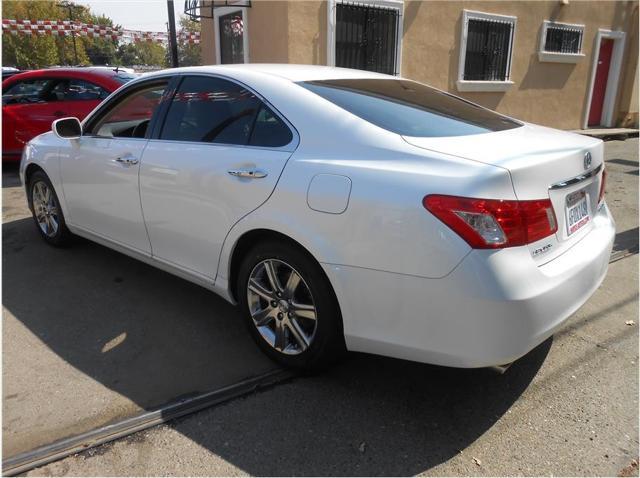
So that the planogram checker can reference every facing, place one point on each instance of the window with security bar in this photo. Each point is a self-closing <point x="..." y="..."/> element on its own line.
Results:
<point x="488" y="49"/>
<point x="561" y="38"/>
<point x="231" y="37"/>
<point x="367" y="37"/>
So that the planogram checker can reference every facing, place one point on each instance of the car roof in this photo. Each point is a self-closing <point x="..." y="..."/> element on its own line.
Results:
<point x="103" y="76"/>
<point x="290" y="72"/>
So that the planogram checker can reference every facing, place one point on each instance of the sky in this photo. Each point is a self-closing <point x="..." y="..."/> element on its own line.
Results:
<point x="151" y="15"/>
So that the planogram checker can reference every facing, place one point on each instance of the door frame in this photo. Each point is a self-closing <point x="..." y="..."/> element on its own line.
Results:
<point x="221" y="11"/>
<point x="615" y="71"/>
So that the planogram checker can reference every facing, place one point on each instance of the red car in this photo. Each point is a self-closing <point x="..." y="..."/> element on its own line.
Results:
<point x="31" y="101"/>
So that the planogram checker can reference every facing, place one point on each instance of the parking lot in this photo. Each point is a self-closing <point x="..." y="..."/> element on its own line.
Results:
<point x="91" y="337"/>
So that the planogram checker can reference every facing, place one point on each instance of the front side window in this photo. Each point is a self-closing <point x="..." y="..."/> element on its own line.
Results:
<point x="410" y="108"/>
<point x="231" y="33"/>
<point x="486" y="49"/>
<point x="129" y="117"/>
<point x="367" y="37"/>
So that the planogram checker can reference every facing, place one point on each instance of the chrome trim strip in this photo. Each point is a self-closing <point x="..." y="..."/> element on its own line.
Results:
<point x="575" y="180"/>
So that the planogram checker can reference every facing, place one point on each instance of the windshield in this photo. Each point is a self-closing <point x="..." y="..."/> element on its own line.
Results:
<point x="123" y="78"/>
<point x="410" y="108"/>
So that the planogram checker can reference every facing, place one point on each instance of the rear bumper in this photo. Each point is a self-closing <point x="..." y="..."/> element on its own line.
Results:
<point x="493" y="308"/>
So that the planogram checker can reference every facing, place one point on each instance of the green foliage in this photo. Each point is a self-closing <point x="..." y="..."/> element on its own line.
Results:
<point x="142" y="53"/>
<point x="101" y="51"/>
<point x="189" y="54"/>
<point x="38" y="51"/>
<point x="41" y="51"/>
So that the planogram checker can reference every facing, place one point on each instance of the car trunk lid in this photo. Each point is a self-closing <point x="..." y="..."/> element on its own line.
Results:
<point x="543" y="163"/>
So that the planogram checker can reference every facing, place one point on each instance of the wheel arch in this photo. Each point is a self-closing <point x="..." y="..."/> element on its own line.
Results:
<point x="30" y="170"/>
<point x="254" y="236"/>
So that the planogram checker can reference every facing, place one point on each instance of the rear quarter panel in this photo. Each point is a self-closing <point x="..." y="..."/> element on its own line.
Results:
<point x="384" y="227"/>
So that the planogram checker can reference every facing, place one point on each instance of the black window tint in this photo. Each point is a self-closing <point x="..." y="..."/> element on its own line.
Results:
<point x="210" y="110"/>
<point x="28" y="91"/>
<point x="410" y="108"/>
<point x="269" y="130"/>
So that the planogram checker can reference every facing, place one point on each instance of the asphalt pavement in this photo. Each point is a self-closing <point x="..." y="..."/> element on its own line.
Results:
<point x="570" y="407"/>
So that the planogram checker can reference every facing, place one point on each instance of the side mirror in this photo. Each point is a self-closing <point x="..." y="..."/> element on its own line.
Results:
<point x="67" y="128"/>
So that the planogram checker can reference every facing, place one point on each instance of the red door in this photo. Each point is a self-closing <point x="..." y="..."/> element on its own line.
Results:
<point x="600" y="84"/>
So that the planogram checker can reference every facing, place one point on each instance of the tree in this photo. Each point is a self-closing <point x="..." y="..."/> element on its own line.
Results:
<point x="189" y="54"/>
<point x="38" y="51"/>
<point x="101" y="51"/>
<point x="142" y="53"/>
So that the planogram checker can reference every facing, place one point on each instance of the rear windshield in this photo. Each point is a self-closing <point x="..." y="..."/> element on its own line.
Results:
<point x="410" y="108"/>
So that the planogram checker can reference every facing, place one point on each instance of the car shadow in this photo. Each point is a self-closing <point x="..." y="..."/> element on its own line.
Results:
<point x="144" y="334"/>
<point x="153" y="338"/>
<point x="370" y="416"/>
<point x="10" y="178"/>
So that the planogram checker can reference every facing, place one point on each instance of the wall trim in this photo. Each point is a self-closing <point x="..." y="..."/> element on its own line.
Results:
<point x="615" y="71"/>
<point x="221" y="11"/>
<point x="469" y="85"/>
<point x="331" y="27"/>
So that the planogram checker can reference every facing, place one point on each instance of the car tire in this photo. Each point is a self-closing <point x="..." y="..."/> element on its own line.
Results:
<point x="279" y="318"/>
<point x="46" y="211"/>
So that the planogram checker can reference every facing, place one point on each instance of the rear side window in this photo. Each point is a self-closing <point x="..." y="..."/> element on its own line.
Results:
<point x="210" y="110"/>
<point x="23" y="92"/>
<point x="214" y="110"/>
<point x="269" y="130"/>
<point x="410" y="108"/>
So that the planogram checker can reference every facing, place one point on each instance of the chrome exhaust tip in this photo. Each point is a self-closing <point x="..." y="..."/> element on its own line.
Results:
<point x="501" y="369"/>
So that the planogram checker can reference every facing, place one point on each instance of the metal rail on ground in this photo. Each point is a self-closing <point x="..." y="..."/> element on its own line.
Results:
<point x="75" y="444"/>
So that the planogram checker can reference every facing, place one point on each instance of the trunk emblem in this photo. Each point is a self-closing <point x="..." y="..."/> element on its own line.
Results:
<point x="587" y="160"/>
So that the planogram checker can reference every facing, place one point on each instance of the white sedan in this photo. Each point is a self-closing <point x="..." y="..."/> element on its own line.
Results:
<point x="340" y="209"/>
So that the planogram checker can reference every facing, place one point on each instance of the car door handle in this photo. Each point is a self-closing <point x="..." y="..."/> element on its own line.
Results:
<point x="247" y="173"/>
<point x="127" y="160"/>
<point x="59" y="113"/>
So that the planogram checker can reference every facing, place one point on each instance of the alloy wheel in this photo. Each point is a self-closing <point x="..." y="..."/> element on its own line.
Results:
<point x="281" y="306"/>
<point x="45" y="208"/>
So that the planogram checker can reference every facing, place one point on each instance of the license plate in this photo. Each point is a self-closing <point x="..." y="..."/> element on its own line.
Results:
<point x="577" y="212"/>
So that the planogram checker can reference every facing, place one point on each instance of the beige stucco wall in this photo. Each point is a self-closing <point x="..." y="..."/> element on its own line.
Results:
<point x="269" y="32"/>
<point x="554" y="94"/>
<point x="628" y="98"/>
<point x="207" y="41"/>
<point x="308" y="32"/>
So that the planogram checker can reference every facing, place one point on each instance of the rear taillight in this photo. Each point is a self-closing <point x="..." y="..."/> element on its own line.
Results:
<point x="492" y="223"/>
<point x="603" y="184"/>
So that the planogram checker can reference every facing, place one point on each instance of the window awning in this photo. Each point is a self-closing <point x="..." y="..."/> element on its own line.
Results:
<point x="197" y="9"/>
